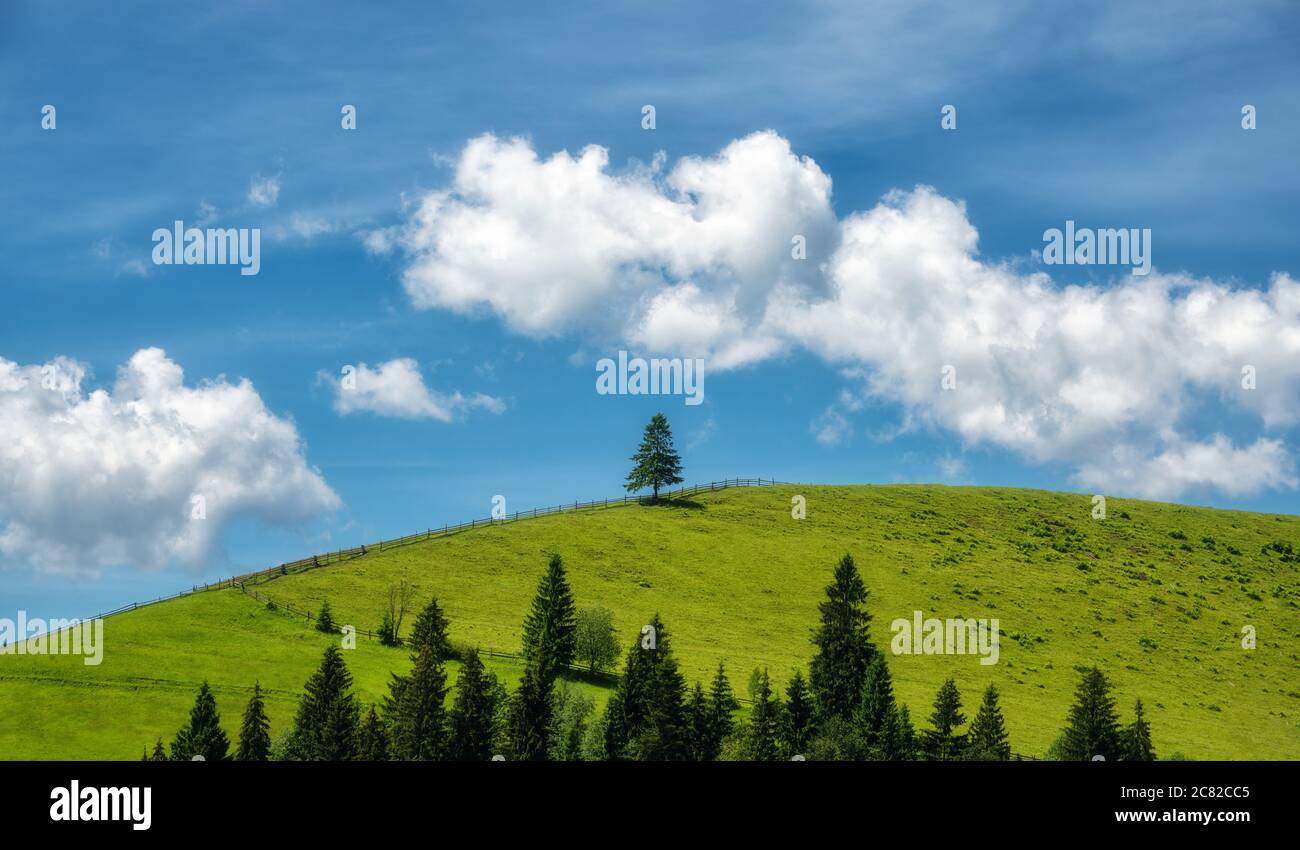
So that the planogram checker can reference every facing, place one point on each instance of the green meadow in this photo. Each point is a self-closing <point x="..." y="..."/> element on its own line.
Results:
<point x="1157" y="595"/>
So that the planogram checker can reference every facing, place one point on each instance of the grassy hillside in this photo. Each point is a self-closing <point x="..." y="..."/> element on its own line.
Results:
<point x="1155" y="594"/>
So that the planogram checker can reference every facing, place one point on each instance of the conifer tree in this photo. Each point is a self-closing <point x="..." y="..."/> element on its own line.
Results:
<point x="905" y="746"/>
<point x="529" y="716"/>
<point x="551" y="627"/>
<point x="987" y="738"/>
<point x="325" y="728"/>
<point x="474" y="712"/>
<point x="843" y="648"/>
<point x="372" y="739"/>
<point x="325" y="619"/>
<point x="254" y="732"/>
<point x="697" y="720"/>
<point x="942" y="743"/>
<point x="877" y="715"/>
<point x="204" y="735"/>
<point x="722" y="705"/>
<point x="798" y="726"/>
<point x="657" y="462"/>
<point x="1137" y="738"/>
<point x="430" y="630"/>
<point x="761" y="740"/>
<point x="1093" y="726"/>
<point x="419" y="727"/>
<point x="646" y="717"/>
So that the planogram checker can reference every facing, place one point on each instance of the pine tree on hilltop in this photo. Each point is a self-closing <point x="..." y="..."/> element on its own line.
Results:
<point x="942" y="743"/>
<point x="987" y="739"/>
<point x="325" y="728"/>
<point x="843" y="648"/>
<point x="1137" y="738"/>
<point x="1093" y="726"/>
<point x="876" y="714"/>
<point x="204" y="735"/>
<point x="372" y="739"/>
<point x="474" y="712"/>
<point x="254" y="732"/>
<point x="797" y="727"/>
<point x="551" y="627"/>
<point x="657" y="463"/>
<point x="761" y="742"/>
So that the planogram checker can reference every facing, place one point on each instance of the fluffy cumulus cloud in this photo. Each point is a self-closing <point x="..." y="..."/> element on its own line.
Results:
<point x="397" y="389"/>
<point x="145" y="473"/>
<point x="697" y="261"/>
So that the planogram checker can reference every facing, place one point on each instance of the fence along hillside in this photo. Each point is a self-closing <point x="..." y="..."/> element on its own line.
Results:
<point x="325" y="559"/>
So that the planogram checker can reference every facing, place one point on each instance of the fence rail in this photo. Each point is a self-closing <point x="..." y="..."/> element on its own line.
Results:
<point x="328" y="558"/>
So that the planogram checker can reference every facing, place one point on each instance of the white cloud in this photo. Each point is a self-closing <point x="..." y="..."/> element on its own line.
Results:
<point x="397" y="388"/>
<point x="108" y="478"/>
<point x="264" y="191"/>
<point x="696" y="262"/>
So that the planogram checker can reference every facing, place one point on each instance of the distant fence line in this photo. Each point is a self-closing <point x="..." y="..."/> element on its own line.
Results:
<point x="340" y="555"/>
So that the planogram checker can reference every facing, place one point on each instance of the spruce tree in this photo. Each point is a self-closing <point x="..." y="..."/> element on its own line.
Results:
<point x="372" y="739"/>
<point x="254" y="732"/>
<point x="877" y="714"/>
<point x="204" y="735"/>
<point x="646" y="717"/>
<point x="529" y="716"/>
<point x="657" y="462"/>
<point x="987" y="738"/>
<point x="905" y="746"/>
<point x="419" y="727"/>
<point x="942" y="743"/>
<point x="1093" y="726"/>
<point x="697" y="720"/>
<point x="722" y="705"/>
<point x="761" y="739"/>
<point x="798" y="726"/>
<point x="325" y="728"/>
<point x="1137" y="738"/>
<point x="550" y="630"/>
<point x="430" y="630"/>
<point x="474" y="712"/>
<point x="325" y="619"/>
<point x="843" y="648"/>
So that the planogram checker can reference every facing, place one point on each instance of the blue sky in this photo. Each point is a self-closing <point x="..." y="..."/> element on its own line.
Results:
<point x="1108" y="116"/>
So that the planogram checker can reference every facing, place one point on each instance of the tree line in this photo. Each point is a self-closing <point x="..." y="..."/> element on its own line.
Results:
<point x="844" y="709"/>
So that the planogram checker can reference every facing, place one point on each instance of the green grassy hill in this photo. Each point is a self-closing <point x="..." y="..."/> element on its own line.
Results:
<point x="1156" y="595"/>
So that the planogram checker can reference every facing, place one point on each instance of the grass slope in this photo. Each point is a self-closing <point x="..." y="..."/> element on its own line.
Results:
<point x="1157" y="599"/>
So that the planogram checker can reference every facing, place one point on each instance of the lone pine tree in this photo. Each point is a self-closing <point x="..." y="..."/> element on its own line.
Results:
<point x="203" y="736"/>
<point x="657" y="463"/>
<point x="843" y="648"/>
